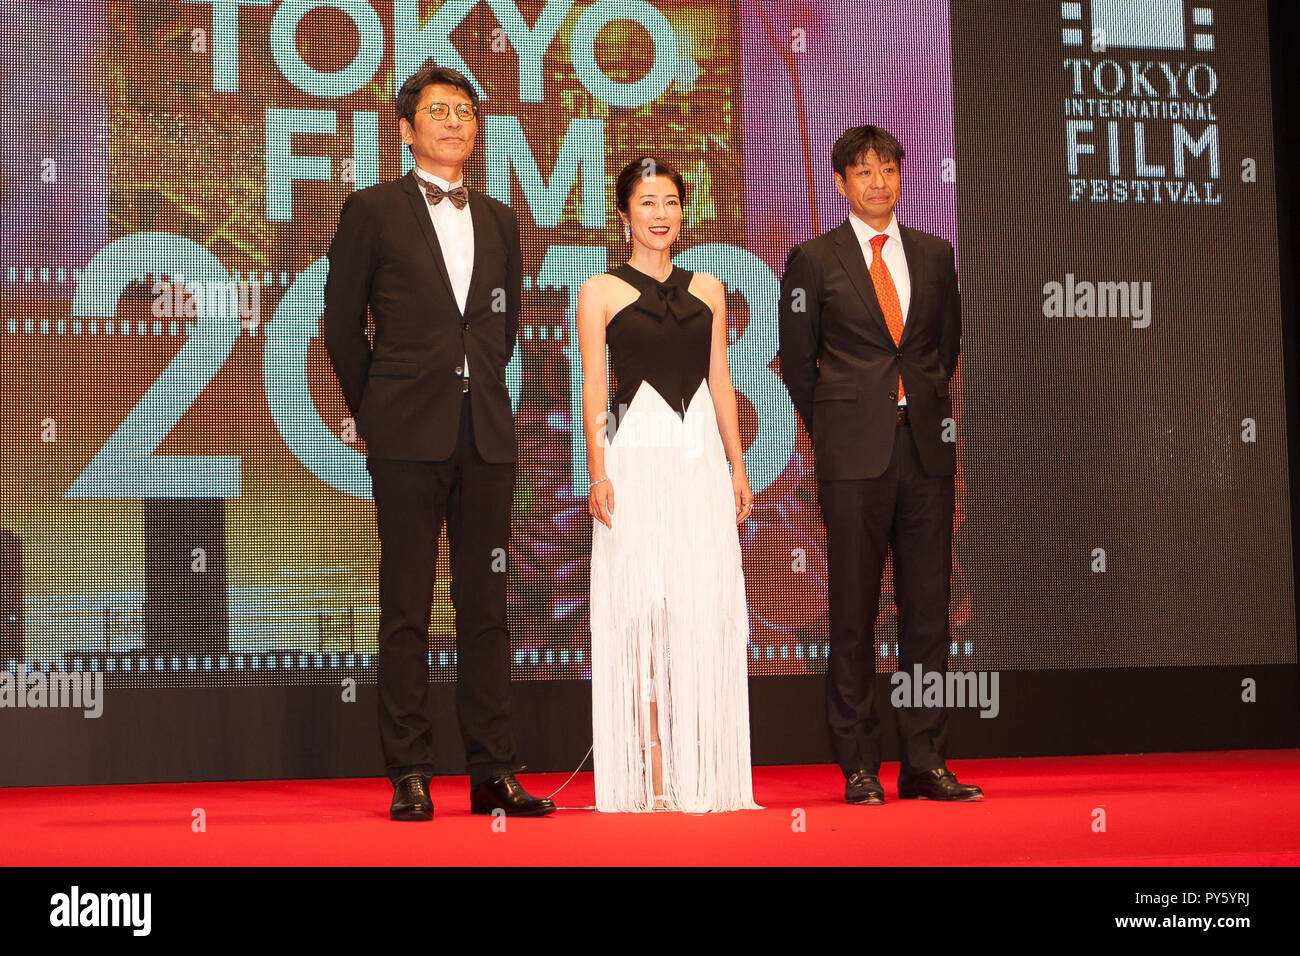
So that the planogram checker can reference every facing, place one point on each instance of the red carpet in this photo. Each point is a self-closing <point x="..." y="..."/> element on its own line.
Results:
<point x="1234" y="808"/>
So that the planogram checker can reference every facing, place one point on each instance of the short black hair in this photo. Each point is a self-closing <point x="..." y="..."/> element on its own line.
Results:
<point x="640" y="168"/>
<point x="407" y="99"/>
<point x="854" y="143"/>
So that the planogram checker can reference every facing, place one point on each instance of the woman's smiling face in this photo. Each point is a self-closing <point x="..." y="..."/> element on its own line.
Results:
<point x="654" y="212"/>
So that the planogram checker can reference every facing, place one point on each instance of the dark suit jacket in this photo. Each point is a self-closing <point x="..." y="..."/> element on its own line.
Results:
<point x="841" y="366"/>
<point x="406" y="394"/>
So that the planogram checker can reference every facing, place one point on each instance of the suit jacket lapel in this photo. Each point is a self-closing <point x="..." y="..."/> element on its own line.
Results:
<point x="916" y="276"/>
<point x="420" y="206"/>
<point x="851" y="256"/>
<point x="482" y="220"/>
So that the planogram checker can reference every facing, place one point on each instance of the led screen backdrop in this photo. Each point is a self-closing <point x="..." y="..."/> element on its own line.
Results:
<point x="184" y="499"/>
<point x="1125" y="428"/>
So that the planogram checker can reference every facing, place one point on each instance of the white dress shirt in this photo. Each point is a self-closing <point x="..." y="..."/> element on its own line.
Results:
<point x="892" y="253"/>
<point x="455" y="230"/>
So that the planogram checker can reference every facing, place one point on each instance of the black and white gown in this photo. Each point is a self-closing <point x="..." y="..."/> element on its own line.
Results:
<point x="669" y="621"/>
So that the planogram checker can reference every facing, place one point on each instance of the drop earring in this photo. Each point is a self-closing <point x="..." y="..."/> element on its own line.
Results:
<point x="627" y="233"/>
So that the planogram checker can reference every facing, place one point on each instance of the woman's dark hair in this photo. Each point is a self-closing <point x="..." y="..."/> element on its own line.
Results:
<point x="408" y="97"/>
<point x="854" y="143"/>
<point x="643" y="167"/>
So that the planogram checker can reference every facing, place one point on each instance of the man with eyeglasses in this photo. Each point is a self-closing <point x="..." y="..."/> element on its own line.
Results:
<point x="438" y="266"/>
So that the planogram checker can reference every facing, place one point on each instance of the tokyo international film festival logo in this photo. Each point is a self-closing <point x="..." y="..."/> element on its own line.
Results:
<point x="1140" y="118"/>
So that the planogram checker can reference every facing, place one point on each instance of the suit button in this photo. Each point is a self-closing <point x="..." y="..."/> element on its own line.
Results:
<point x="465" y="326"/>
<point x="459" y="370"/>
<point x="894" y="396"/>
<point x="899" y="353"/>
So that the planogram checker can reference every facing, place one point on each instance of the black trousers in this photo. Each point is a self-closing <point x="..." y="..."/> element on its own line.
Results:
<point x="411" y="500"/>
<point x="911" y="513"/>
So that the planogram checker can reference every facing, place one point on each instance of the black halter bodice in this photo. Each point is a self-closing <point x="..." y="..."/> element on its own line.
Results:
<point x="663" y="338"/>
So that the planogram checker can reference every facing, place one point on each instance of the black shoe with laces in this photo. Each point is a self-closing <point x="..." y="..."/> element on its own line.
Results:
<point x="505" y="793"/>
<point x="411" y="800"/>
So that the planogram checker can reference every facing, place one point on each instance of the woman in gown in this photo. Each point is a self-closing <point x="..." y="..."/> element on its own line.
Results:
<point x="669" y="620"/>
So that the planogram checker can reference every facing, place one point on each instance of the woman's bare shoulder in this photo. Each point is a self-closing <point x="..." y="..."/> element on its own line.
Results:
<point x="710" y="289"/>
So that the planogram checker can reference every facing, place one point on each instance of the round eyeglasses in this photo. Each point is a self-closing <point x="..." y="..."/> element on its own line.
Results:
<point x="440" y="111"/>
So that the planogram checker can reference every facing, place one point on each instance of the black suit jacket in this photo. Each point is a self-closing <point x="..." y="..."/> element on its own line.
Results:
<point x="841" y="366"/>
<point x="406" y="394"/>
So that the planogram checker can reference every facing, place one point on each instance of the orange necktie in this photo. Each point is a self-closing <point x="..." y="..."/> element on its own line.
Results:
<point x="887" y="296"/>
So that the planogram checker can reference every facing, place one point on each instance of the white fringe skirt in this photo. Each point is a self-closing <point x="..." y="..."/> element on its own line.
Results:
<point x="669" y="620"/>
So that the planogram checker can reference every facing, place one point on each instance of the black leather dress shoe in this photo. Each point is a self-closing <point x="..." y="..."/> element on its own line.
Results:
<point x="863" y="789"/>
<point x="411" y="799"/>
<point x="506" y="793"/>
<point x="937" y="784"/>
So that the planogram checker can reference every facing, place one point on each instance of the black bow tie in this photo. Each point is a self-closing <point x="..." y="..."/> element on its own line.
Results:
<point x="671" y="302"/>
<point x="435" y="193"/>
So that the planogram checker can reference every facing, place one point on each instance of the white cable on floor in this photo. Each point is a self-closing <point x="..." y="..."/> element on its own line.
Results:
<point x="566" y="783"/>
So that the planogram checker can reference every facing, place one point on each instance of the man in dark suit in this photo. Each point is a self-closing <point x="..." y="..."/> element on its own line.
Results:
<point x="870" y="331"/>
<point x="438" y="265"/>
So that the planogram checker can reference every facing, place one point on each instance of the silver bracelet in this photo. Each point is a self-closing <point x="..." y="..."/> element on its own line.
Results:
<point x="596" y="482"/>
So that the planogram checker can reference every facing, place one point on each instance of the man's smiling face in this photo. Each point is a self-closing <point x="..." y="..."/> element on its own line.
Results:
<point x="441" y="144"/>
<point x="871" y="185"/>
